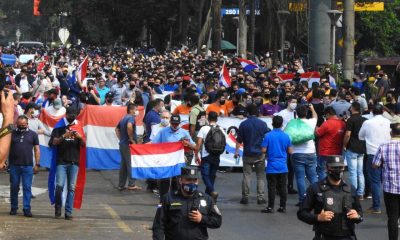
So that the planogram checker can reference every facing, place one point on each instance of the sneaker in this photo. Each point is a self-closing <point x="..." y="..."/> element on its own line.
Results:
<point x="68" y="217"/>
<point x="134" y="188"/>
<point x="282" y="210"/>
<point x="214" y="195"/>
<point x="57" y="213"/>
<point x="244" y="201"/>
<point x="292" y="191"/>
<point x="368" y="197"/>
<point x="27" y="213"/>
<point x="13" y="211"/>
<point x="33" y="197"/>
<point x="261" y="201"/>
<point x="373" y="210"/>
<point x="267" y="210"/>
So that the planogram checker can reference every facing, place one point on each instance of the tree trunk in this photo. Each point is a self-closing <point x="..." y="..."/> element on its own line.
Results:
<point x="183" y="21"/>
<point x="216" y="26"/>
<point x="252" y="28"/>
<point x="242" y="30"/>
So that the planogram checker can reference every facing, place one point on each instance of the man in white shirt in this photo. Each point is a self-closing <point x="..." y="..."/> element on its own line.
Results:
<point x="288" y="113"/>
<point x="209" y="162"/>
<point x="56" y="109"/>
<point x="375" y="132"/>
<point x="304" y="159"/>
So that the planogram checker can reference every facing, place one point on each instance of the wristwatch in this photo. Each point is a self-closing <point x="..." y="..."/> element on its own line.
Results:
<point x="6" y="130"/>
<point x="37" y="165"/>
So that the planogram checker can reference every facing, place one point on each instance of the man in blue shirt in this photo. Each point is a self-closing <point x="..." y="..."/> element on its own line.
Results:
<point x="126" y="133"/>
<point x="174" y="133"/>
<point x="277" y="146"/>
<point x="251" y="133"/>
<point x="152" y="117"/>
<point x="102" y="89"/>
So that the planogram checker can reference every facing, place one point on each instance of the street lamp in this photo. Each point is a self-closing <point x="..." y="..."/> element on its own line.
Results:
<point x="236" y="21"/>
<point x="171" y="21"/>
<point x="334" y="15"/>
<point x="282" y="17"/>
<point x="18" y="34"/>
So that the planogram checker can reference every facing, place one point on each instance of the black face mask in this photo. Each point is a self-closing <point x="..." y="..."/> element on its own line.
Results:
<point x="21" y="128"/>
<point x="274" y="102"/>
<point x="335" y="174"/>
<point x="258" y="102"/>
<point x="71" y="118"/>
<point x="151" y="84"/>
<point x="389" y="99"/>
<point x="222" y="102"/>
<point x="132" y="86"/>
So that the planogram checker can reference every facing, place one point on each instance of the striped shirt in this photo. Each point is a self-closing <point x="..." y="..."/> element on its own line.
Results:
<point x="388" y="157"/>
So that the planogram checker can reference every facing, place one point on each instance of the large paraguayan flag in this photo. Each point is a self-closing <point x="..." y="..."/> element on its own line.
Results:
<point x="157" y="161"/>
<point x="247" y="65"/>
<point x="231" y="145"/>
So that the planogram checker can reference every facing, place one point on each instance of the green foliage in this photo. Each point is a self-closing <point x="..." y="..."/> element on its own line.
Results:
<point x="379" y="31"/>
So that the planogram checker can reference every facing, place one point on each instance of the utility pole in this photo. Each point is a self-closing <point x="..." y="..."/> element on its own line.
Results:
<point x="252" y="28"/>
<point x="242" y="30"/>
<point x="282" y="17"/>
<point x="348" y="43"/>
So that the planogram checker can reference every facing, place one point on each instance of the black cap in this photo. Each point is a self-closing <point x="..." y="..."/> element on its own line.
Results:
<point x="175" y="118"/>
<point x="190" y="172"/>
<point x="52" y="91"/>
<point x="109" y="95"/>
<point x="334" y="161"/>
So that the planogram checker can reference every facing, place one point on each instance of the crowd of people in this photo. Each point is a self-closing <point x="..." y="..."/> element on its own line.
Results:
<point x="347" y="118"/>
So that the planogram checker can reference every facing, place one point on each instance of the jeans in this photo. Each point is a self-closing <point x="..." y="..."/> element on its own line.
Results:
<point x="259" y="164"/>
<point x="356" y="175"/>
<point x="16" y="173"/>
<point x="67" y="172"/>
<point x="277" y="181"/>
<point x="321" y="168"/>
<point x="304" y="165"/>
<point x="375" y="176"/>
<point x="125" y="169"/>
<point x="392" y="202"/>
<point x="208" y="172"/>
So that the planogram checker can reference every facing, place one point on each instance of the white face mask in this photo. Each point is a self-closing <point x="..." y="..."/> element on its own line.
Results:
<point x="136" y="113"/>
<point x="293" y="106"/>
<point x="35" y="113"/>
<point x="164" y="122"/>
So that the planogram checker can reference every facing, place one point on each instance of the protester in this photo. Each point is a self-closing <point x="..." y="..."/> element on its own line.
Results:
<point x="341" y="106"/>
<point x="210" y="138"/>
<point x="180" y="217"/>
<point x="68" y="142"/>
<point x="174" y="133"/>
<point x="152" y="117"/>
<point x="304" y="159"/>
<point x="387" y="159"/>
<point x="197" y="116"/>
<point x="375" y="132"/>
<point x="219" y="105"/>
<point x="276" y="144"/>
<point x="24" y="143"/>
<point x="56" y="109"/>
<point x="251" y="133"/>
<point x="330" y="139"/>
<point x="354" y="149"/>
<point x="126" y="133"/>
<point x="102" y="89"/>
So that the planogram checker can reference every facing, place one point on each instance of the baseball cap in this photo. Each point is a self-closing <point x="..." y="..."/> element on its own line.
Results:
<point x="109" y="95"/>
<point x="175" y="118"/>
<point x="334" y="161"/>
<point x="190" y="172"/>
<point x="52" y="91"/>
<point x="57" y="104"/>
<point x="240" y="91"/>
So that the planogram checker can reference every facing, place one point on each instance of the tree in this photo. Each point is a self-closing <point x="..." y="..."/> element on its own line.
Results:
<point x="216" y="26"/>
<point x="379" y="31"/>
<point x="242" y="29"/>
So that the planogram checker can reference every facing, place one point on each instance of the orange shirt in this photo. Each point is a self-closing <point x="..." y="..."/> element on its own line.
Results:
<point x="221" y="110"/>
<point x="182" y="109"/>
<point x="229" y="106"/>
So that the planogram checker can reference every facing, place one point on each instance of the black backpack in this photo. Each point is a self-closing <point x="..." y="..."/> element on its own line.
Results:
<point x="215" y="141"/>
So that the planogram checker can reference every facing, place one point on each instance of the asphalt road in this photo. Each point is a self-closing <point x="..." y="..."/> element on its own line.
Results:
<point x="110" y="214"/>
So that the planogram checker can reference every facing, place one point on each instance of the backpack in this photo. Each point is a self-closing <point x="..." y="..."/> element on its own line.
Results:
<point x="215" y="141"/>
<point x="201" y="119"/>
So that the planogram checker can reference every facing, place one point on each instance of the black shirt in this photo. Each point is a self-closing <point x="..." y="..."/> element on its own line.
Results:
<point x="22" y="144"/>
<point x="68" y="151"/>
<point x="354" y="124"/>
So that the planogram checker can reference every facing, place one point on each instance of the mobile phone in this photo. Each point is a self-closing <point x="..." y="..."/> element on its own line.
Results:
<point x="194" y="208"/>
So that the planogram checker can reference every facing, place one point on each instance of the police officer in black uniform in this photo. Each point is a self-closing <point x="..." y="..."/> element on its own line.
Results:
<point x="187" y="213"/>
<point x="336" y="209"/>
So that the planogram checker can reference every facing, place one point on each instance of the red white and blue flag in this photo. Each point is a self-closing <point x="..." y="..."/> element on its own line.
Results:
<point x="157" y="161"/>
<point x="231" y="145"/>
<point x="247" y="65"/>
<point x="224" y="78"/>
<point x="82" y="69"/>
